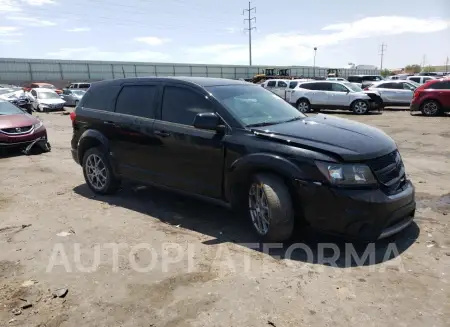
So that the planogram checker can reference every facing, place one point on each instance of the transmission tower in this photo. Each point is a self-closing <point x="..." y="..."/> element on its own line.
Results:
<point x="250" y="20"/>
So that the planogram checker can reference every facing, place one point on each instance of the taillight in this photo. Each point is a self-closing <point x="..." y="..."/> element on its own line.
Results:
<point x="366" y="89"/>
<point x="73" y="115"/>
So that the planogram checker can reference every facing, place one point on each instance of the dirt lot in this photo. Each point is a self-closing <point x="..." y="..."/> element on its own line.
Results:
<point x="183" y="263"/>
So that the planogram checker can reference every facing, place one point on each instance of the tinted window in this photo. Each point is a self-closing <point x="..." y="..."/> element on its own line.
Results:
<point x="389" y="86"/>
<point x="444" y="85"/>
<point x="426" y="79"/>
<point x="323" y="86"/>
<point x="292" y="85"/>
<point x="415" y="79"/>
<point x="84" y="86"/>
<point x="338" y="88"/>
<point x="136" y="100"/>
<point x="308" y="86"/>
<point x="100" y="98"/>
<point x="282" y="84"/>
<point x="181" y="105"/>
<point x="354" y="79"/>
<point x="271" y="84"/>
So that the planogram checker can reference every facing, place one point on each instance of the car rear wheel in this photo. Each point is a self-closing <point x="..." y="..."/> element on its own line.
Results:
<point x="270" y="208"/>
<point x="430" y="108"/>
<point x="98" y="172"/>
<point x="303" y="106"/>
<point x="360" y="107"/>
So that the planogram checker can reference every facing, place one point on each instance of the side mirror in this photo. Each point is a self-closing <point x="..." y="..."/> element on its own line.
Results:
<point x="209" y="121"/>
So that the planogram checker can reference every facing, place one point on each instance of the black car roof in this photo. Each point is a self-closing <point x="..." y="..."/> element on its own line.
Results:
<point x="199" y="81"/>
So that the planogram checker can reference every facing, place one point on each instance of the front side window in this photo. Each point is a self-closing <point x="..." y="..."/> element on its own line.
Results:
<point x="408" y="86"/>
<point x="136" y="100"/>
<point x="282" y="84"/>
<point x="253" y="106"/>
<point x="292" y="85"/>
<point x="181" y="105"/>
<point x="271" y="84"/>
<point x="353" y="87"/>
<point x="335" y="87"/>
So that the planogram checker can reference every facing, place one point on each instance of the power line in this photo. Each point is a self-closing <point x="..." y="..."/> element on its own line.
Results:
<point x="382" y="50"/>
<point x="250" y="20"/>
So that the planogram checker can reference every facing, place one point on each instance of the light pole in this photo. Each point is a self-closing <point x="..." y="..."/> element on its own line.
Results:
<point x="314" y="66"/>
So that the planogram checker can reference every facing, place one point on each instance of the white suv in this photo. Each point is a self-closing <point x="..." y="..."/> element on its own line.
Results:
<point x="333" y="95"/>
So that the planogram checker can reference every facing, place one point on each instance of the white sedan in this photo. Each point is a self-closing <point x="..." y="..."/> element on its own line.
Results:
<point x="46" y="100"/>
<point x="395" y="92"/>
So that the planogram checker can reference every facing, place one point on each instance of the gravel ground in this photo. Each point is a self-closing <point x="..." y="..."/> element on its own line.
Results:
<point x="149" y="258"/>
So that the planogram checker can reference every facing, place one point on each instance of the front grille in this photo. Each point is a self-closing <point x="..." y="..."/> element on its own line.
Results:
<point x="17" y="130"/>
<point x="390" y="171"/>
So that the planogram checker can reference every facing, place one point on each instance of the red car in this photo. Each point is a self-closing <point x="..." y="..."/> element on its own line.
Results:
<point x="432" y="98"/>
<point x="31" y="86"/>
<point x="18" y="129"/>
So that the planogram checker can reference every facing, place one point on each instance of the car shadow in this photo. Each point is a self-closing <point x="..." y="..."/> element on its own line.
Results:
<point x="223" y="226"/>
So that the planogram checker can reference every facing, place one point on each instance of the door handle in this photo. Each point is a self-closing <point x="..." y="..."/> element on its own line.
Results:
<point x="110" y="123"/>
<point x="162" y="133"/>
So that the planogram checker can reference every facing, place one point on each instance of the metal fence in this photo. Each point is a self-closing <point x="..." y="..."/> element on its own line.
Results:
<point x="19" y="71"/>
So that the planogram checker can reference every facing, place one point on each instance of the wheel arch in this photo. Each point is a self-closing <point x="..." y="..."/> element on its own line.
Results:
<point x="302" y="97"/>
<point x="89" y="139"/>
<point x="241" y="171"/>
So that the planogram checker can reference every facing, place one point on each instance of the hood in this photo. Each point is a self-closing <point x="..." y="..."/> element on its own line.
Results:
<point x="19" y="120"/>
<point x="51" y="101"/>
<point x="347" y="139"/>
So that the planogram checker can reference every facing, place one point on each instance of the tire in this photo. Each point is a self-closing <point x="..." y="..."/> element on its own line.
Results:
<point x="109" y="183"/>
<point x="360" y="107"/>
<point x="303" y="106"/>
<point x="431" y="108"/>
<point x="280" y="218"/>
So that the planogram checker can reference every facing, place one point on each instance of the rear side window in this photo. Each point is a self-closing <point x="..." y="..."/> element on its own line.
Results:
<point x="390" y="86"/>
<point x="426" y="79"/>
<point x="323" y="86"/>
<point x="181" y="105"/>
<point x="84" y="86"/>
<point x="442" y="85"/>
<point x="415" y="79"/>
<point x="136" y="100"/>
<point x="271" y="84"/>
<point x="100" y="98"/>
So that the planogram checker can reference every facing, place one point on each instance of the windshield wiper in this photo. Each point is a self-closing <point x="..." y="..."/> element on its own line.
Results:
<point x="293" y="119"/>
<point x="268" y="123"/>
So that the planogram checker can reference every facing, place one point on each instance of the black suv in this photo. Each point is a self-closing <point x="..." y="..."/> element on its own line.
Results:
<point x="237" y="144"/>
<point x="365" y="80"/>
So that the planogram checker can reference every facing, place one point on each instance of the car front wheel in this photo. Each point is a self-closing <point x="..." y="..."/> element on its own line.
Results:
<point x="303" y="106"/>
<point x="98" y="172"/>
<point x="270" y="208"/>
<point x="360" y="107"/>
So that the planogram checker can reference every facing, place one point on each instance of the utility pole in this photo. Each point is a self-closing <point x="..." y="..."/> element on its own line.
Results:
<point x="382" y="51"/>
<point x="250" y="21"/>
<point x="446" y="65"/>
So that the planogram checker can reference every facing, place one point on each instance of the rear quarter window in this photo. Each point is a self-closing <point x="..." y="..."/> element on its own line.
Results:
<point x="101" y="98"/>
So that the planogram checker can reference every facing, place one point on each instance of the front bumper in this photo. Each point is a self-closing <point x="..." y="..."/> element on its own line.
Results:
<point x="7" y="141"/>
<point x="365" y="215"/>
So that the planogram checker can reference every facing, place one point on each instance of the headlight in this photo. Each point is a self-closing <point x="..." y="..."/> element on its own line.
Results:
<point x="37" y="125"/>
<point x="346" y="174"/>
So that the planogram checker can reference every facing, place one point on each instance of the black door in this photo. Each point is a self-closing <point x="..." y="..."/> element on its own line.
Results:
<point x="134" y="118"/>
<point x="187" y="159"/>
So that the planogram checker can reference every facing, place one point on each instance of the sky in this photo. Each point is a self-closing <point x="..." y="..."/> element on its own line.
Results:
<point x="213" y="31"/>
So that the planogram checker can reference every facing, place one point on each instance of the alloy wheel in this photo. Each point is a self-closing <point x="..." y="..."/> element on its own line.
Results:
<point x="360" y="107"/>
<point x="96" y="172"/>
<point x="430" y="108"/>
<point x="259" y="208"/>
<point x="303" y="106"/>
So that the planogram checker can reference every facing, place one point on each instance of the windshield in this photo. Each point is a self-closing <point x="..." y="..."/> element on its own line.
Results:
<point x="253" y="105"/>
<point x="79" y="92"/>
<point x="353" y="87"/>
<point x="7" y="108"/>
<point x="48" y="95"/>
